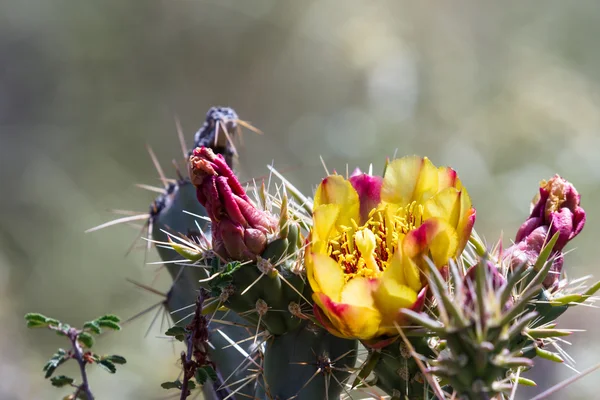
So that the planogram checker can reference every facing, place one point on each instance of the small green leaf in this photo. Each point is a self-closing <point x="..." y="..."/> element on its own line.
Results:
<point x="61" y="380"/>
<point x="201" y="376"/>
<point x="57" y="359"/>
<point x="36" y="324"/>
<point x="49" y="368"/>
<point x="175" y="330"/>
<point x="231" y="267"/>
<point x="109" y="324"/>
<point x="564" y="300"/>
<point x="524" y="381"/>
<point x="107" y="365"/>
<point x="116" y="359"/>
<point x="187" y="252"/>
<point x="548" y="355"/>
<point x="93" y="327"/>
<point x="36" y="317"/>
<point x="547" y="333"/>
<point x="191" y="385"/>
<point x="592" y="289"/>
<point x="86" y="339"/>
<point x="109" y="317"/>
<point x="171" y="385"/>
<point x="212" y="374"/>
<point x="52" y="322"/>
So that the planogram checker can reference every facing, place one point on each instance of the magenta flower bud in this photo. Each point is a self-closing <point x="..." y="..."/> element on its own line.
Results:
<point x="527" y="251"/>
<point x="239" y="229"/>
<point x="556" y="207"/>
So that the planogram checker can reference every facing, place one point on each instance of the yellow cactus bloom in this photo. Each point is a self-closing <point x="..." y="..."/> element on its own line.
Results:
<point x="369" y="239"/>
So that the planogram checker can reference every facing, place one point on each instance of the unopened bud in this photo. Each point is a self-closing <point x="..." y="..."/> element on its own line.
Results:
<point x="556" y="208"/>
<point x="239" y="229"/>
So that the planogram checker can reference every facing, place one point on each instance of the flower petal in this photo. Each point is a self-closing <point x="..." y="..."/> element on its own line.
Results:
<point x="391" y="296"/>
<point x="434" y="238"/>
<point x="325" y="321"/>
<point x="409" y="179"/>
<point x="349" y="320"/>
<point x="325" y="275"/>
<point x="445" y="205"/>
<point x="395" y="269"/>
<point x="324" y="217"/>
<point x="357" y="292"/>
<point x="336" y="190"/>
<point x="447" y="177"/>
<point x="412" y="273"/>
<point x="368" y="188"/>
<point x="453" y="206"/>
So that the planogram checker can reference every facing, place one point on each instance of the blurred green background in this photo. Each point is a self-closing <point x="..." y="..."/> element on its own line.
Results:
<point x="506" y="92"/>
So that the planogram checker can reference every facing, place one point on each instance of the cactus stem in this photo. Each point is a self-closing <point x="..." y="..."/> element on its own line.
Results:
<point x="325" y="366"/>
<point x="252" y="284"/>
<point x="430" y="378"/>
<point x="261" y="309"/>
<point x="264" y="265"/>
<point x="293" y="288"/>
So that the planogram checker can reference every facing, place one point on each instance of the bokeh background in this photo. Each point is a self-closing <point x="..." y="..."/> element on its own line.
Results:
<point x="506" y="92"/>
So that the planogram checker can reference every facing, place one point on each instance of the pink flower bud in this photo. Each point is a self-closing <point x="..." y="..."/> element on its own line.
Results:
<point x="555" y="209"/>
<point x="239" y="229"/>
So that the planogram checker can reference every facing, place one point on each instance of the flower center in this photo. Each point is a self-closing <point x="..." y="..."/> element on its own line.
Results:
<point x="366" y="250"/>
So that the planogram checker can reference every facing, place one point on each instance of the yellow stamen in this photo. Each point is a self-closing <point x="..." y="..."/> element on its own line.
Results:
<point x="367" y="250"/>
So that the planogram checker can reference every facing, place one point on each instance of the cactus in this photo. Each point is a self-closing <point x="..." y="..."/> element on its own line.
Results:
<point x="389" y="263"/>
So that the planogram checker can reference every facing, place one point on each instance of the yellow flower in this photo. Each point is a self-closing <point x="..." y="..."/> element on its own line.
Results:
<point x="369" y="239"/>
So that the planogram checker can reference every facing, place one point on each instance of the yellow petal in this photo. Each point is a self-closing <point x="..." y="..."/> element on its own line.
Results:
<point x="391" y="296"/>
<point x="412" y="273"/>
<point x="325" y="275"/>
<point x="336" y="190"/>
<point x="409" y="179"/>
<point x="466" y="220"/>
<point x="324" y="217"/>
<point x="428" y="184"/>
<point x="350" y="321"/>
<point x="434" y="238"/>
<point x="445" y="205"/>
<point x="447" y="177"/>
<point x="402" y="270"/>
<point x="455" y="207"/>
<point x="357" y="292"/>
<point x="395" y="269"/>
